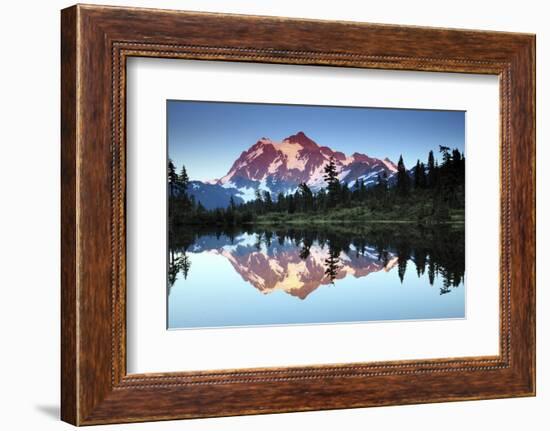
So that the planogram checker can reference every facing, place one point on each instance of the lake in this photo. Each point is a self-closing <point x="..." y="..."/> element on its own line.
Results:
<point x="327" y="274"/>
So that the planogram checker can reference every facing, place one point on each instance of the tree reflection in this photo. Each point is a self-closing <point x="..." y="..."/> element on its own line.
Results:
<point x="176" y="264"/>
<point x="437" y="250"/>
<point x="332" y="264"/>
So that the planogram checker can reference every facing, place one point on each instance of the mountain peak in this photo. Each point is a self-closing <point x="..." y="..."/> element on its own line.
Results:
<point x="280" y="167"/>
<point x="302" y="139"/>
<point x="264" y="140"/>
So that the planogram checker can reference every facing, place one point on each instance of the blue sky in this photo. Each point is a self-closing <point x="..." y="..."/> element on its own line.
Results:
<point x="209" y="136"/>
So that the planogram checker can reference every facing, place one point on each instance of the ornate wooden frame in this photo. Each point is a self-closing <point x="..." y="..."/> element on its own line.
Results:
<point x="95" y="43"/>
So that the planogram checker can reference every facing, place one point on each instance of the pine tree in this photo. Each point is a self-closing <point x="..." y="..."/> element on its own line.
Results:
<point x="419" y="175"/>
<point x="458" y="167"/>
<point x="185" y="265"/>
<point x="401" y="268"/>
<point x="379" y="184"/>
<point x="298" y="201"/>
<point x="445" y="151"/>
<point x="333" y="184"/>
<point x="307" y="197"/>
<point x="403" y="180"/>
<point x="356" y="193"/>
<point x="332" y="266"/>
<point x="345" y="195"/>
<point x="258" y="203"/>
<point x="362" y="191"/>
<point x="268" y="202"/>
<point x="403" y="254"/>
<point x="431" y="170"/>
<point x="291" y="204"/>
<point x="382" y="183"/>
<point x="281" y="203"/>
<point x="423" y="179"/>
<point x="431" y="271"/>
<point x="172" y="176"/>
<point x="321" y="200"/>
<point x="357" y="185"/>
<point x="183" y="180"/>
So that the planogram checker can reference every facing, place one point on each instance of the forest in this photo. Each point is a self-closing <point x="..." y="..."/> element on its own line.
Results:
<point x="430" y="193"/>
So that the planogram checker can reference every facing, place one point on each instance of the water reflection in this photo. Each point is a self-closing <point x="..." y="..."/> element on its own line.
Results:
<point x="298" y="261"/>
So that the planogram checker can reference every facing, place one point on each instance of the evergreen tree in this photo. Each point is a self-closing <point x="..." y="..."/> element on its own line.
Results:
<point x="229" y="216"/>
<point x="172" y="176"/>
<point x="258" y="203"/>
<point x="345" y="195"/>
<point x="332" y="266"/>
<point x="423" y="179"/>
<point x="333" y="184"/>
<point x="357" y="186"/>
<point x="445" y="151"/>
<point x="356" y="193"/>
<point x="268" y="203"/>
<point x="458" y="169"/>
<point x="401" y="268"/>
<point x="321" y="200"/>
<point x="281" y="203"/>
<point x="185" y="265"/>
<point x="381" y="188"/>
<point x="362" y="191"/>
<point x="298" y="201"/>
<point x="420" y="261"/>
<point x="291" y="204"/>
<point x="431" y="170"/>
<point x="183" y="180"/>
<point x="403" y="180"/>
<point x="419" y="175"/>
<point x="307" y="197"/>
<point x="431" y="271"/>
<point x="382" y="182"/>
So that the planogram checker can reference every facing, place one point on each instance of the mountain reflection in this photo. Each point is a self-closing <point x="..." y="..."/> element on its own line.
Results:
<point x="300" y="260"/>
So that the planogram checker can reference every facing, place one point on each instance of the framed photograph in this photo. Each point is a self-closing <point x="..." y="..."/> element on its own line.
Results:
<point x="264" y="214"/>
<point x="289" y="217"/>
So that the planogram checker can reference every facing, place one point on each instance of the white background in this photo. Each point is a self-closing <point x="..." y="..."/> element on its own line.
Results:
<point x="151" y="348"/>
<point x="29" y="228"/>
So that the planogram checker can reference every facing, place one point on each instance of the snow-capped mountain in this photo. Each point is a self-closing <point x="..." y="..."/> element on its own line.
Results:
<point x="279" y="167"/>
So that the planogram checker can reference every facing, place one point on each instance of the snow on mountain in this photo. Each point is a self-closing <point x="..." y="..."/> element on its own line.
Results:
<point x="279" y="167"/>
<point x="389" y="164"/>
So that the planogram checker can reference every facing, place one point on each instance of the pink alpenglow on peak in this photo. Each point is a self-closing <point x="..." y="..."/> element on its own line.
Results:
<point x="279" y="167"/>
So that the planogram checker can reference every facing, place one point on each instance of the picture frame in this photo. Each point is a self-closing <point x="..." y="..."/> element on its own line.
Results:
<point x="96" y="42"/>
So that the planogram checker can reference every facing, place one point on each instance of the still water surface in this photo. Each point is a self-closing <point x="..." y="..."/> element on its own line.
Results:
<point x="309" y="276"/>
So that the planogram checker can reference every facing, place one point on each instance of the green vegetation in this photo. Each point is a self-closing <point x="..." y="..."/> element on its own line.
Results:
<point x="433" y="194"/>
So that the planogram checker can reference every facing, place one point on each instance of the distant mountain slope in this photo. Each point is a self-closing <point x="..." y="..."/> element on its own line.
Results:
<point x="213" y="196"/>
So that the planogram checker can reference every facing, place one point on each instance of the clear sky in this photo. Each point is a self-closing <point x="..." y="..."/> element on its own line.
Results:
<point x="209" y="136"/>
